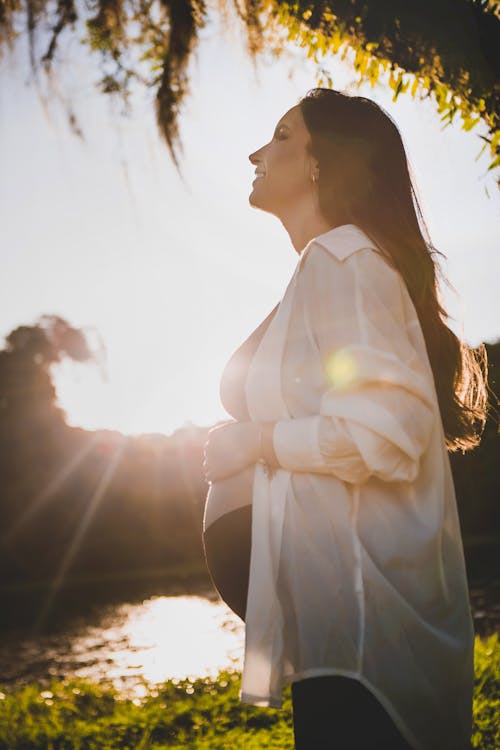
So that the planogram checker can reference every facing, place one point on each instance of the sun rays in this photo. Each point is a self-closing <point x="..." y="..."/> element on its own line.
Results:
<point x="74" y="545"/>
<point x="40" y="500"/>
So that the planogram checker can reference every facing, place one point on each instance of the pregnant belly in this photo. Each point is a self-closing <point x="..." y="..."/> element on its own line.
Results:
<point x="228" y="494"/>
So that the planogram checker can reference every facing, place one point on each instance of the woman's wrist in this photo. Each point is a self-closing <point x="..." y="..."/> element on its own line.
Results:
<point x="265" y="450"/>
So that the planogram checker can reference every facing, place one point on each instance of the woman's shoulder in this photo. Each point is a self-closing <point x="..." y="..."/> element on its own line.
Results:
<point x="321" y="267"/>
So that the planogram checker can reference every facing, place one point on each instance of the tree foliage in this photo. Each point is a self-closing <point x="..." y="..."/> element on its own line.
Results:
<point x="445" y="49"/>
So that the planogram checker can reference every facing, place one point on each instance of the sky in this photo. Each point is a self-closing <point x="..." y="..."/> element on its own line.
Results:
<point x="172" y="275"/>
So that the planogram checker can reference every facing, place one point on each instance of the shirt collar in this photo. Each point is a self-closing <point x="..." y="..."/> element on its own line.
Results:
<point x="341" y="241"/>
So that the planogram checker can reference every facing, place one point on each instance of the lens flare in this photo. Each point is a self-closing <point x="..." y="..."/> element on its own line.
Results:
<point x="341" y="369"/>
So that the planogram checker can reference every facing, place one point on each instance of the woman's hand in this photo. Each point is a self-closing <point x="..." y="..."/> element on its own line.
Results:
<point x="230" y="448"/>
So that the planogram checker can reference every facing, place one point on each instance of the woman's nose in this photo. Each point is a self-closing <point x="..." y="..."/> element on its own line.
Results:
<point x="254" y="157"/>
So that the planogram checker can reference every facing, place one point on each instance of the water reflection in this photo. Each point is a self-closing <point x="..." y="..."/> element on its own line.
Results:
<point x="132" y="646"/>
<point x="142" y="638"/>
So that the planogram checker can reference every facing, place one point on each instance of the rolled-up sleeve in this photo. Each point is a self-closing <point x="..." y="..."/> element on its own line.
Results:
<point x="378" y="407"/>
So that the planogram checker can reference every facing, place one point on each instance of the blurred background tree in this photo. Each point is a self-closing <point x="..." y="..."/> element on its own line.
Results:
<point x="86" y="502"/>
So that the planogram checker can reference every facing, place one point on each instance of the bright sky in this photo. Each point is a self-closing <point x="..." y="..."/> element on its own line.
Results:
<point x="174" y="276"/>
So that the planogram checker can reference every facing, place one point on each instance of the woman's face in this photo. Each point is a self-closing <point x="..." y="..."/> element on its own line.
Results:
<point x="284" y="167"/>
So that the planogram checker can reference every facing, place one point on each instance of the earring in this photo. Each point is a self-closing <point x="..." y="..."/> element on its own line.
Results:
<point x="314" y="178"/>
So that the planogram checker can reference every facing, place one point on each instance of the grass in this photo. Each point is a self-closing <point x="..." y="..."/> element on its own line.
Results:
<point x="189" y="714"/>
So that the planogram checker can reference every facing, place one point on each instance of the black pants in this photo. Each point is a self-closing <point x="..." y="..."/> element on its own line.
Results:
<point x="336" y="713"/>
<point x="329" y="713"/>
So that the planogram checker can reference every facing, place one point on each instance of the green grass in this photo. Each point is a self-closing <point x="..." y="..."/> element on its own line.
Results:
<point x="188" y="715"/>
<point x="486" y="707"/>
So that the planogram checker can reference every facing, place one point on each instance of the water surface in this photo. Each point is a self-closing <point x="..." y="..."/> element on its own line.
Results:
<point x="137" y="641"/>
<point x="130" y="645"/>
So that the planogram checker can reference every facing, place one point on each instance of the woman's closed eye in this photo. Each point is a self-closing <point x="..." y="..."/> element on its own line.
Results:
<point x="280" y="134"/>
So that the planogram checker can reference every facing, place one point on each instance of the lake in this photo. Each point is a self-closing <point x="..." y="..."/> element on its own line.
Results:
<point x="137" y="635"/>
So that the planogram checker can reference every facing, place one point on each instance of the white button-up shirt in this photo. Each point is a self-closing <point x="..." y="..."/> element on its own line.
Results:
<point x="357" y="565"/>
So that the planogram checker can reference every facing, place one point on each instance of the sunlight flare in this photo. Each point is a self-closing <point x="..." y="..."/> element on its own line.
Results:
<point x="72" y="549"/>
<point x="341" y="369"/>
<point x="43" y="497"/>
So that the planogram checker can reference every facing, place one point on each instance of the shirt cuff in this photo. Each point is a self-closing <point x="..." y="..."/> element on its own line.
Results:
<point x="296" y="443"/>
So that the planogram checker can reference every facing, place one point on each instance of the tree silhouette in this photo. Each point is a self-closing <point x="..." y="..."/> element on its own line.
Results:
<point x="75" y="502"/>
<point x="27" y="392"/>
<point x="445" y="49"/>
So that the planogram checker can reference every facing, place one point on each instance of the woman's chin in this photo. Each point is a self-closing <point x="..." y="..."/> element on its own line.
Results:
<point x="254" y="198"/>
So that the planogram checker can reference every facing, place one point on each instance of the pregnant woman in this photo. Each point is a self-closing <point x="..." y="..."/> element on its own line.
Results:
<point x="331" y="525"/>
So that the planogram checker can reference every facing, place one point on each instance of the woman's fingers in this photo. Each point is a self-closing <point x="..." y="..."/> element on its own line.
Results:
<point x="227" y="450"/>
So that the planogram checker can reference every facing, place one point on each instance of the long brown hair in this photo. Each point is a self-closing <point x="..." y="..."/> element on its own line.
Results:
<point x="364" y="179"/>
